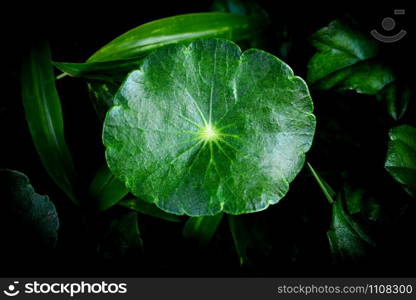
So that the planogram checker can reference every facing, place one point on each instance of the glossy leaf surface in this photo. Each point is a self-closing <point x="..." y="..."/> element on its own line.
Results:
<point x="204" y="128"/>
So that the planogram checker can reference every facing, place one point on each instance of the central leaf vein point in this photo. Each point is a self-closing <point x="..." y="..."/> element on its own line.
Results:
<point x="209" y="133"/>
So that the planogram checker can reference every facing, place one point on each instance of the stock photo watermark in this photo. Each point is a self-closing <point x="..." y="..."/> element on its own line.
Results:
<point x="71" y="289"/>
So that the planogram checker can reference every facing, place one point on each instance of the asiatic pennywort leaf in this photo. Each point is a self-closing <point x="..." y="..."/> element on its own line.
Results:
<point x="204" y="129"/>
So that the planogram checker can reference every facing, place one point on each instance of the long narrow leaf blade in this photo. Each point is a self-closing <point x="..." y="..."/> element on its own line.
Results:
<point x="108" y="71"/>
<point x="145" y="38"/>
<point x="106" y="189"/>
<point x="202" y="229"/>
<point x="44" y="116"/>
<point x="148" y="209"/>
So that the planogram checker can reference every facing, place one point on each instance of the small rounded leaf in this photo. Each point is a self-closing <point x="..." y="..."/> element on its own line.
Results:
<point x="204" y="129"/>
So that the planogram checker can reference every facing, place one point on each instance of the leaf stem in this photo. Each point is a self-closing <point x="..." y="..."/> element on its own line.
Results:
<point x="323" y="185"/>
<point x="62" y="75"/>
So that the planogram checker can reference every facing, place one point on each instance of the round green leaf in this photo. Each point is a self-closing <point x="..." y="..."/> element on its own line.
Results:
<point x="204" y="128"/>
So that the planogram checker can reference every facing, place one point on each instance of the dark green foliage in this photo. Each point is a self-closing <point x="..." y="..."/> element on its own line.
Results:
<point x="249" y="238"/>
<point x="30" y="216"/>
<point x="122" y="238"/>
<point x="106" y="190"/>
<point x="203" y="228"/>
<point x="193" y="121"/>
<point x="149" y="209"/>
<point x="346" y="60"/>
<point x="401" y="157"/>
<point x="348" y="239"/>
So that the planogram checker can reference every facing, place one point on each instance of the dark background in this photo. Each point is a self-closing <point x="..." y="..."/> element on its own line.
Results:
<point x="355" y="143"/>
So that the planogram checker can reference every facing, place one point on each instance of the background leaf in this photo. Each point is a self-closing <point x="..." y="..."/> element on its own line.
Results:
<point x="358" y="201"/>
<point x="106" y="189"/>
<point x="348" y="239"/>
<point x="401" y="157"/>
<point x="102" y="95"/>
<point x="104" y="79"/>
<point x="44" y="117"/>
<point x="345" y="60"/>
<point x="149" y="209"/>
<point x="247" y="236"/>
<point x="108" y="71"/>
<point x="397" y="99"/>
<point x="202" y="229"/>
<point x="241" y="7"/>
<point x="122" y="238"/>
<point x="28" y="219"/>
<point x="141" y="40"/>
<point x="246" y="8"/>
